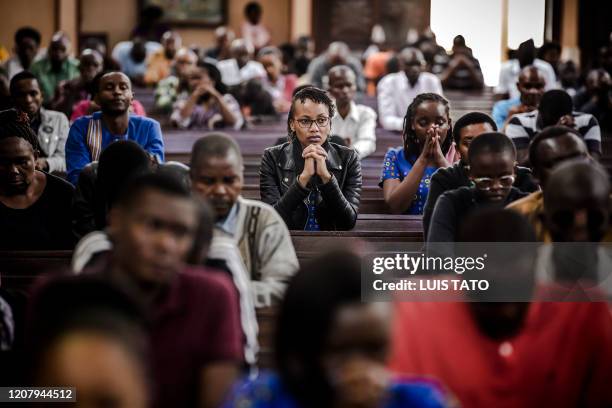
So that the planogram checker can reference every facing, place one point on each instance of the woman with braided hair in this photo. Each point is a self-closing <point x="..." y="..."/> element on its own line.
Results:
<point x="34" y="205"/>
<point x="407" y="170"/>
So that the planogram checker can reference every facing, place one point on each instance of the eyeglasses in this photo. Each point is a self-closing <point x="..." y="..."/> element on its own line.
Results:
<point x="307" y="123"/>
<point x="487" y="183"/>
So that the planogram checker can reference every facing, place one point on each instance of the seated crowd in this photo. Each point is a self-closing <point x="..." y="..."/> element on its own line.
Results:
<point x="174" y="264"/>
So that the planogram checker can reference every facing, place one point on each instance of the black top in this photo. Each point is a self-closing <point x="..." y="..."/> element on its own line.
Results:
<point x="338" y="202"/>
<point x="45" y="225"/>
<point x="454" y="205"/>
<point x="455" y="176"/>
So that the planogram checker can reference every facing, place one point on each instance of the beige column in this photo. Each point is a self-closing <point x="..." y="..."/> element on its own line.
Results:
<point x="569" y="31"/>
<point x="67" y="20"/>
<point x="301" y="18"/>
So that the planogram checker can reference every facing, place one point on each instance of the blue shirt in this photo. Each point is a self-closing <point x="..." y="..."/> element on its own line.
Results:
<point x="144" y="131"/>
<point x="395" y="166"/>
<point x="501" y="109"/>
<point x="311" y="223"/>
<point x="268" y="391"/>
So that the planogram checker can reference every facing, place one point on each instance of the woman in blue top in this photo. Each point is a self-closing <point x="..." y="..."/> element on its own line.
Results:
<point x="331" y="349"/>
<point x="408" y="169"/>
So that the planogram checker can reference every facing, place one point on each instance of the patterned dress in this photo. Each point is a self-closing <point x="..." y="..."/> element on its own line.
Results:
<point x="395" y="166"/>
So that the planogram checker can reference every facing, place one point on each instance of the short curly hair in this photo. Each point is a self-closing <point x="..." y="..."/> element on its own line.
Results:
<point x="317" y="95"/>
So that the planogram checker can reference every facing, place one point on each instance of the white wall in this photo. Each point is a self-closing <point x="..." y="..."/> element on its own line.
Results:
<point x="479" y="21"/>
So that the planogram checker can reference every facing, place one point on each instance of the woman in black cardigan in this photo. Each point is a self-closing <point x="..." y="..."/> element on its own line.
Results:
<point x="314" y="184"/>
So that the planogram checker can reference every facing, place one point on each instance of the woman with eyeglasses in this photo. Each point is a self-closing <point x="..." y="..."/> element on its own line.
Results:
<point x="407" y="170"/>
<point x="492" y="170"/>
<point x="313" y="183"/>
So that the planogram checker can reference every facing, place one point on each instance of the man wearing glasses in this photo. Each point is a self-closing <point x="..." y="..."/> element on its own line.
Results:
<point x="313" y="183"/>
<point x="492" y="161"/>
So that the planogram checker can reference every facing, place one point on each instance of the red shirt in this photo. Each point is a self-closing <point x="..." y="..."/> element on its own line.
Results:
<point x="561" y="358"/>
<point x="198" y="323"/>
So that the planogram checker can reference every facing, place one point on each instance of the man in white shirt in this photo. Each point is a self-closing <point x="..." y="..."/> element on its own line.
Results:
<point x="397" y="90"/>
<point x="354" y="123"/>
<point x="241" y="67"/>
<point x="510" y="71"/>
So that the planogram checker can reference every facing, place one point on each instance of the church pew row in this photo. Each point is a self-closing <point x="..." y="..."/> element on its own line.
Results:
<point x="373" y="232"/>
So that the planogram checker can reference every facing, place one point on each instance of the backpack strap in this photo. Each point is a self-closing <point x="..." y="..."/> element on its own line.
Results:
<point x="94" y="138"/>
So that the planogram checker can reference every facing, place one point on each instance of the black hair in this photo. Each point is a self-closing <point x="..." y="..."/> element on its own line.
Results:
<point x="493" y="142"/>
<point x="119" y="162"/>
<point x="547" y="46"/>
<point x="510" y="226"/>
<point x="468" y="119"/>
<point x="306" y="315"/>
<point x="252" y="7"/>
<point x="165" y="183"/>
<point x="526" y="53"/>
<point x="23" y="75"/>
<point x="300" y="87"/>
<point x="317" y="95"/>
<point x="551" y="132"/>
<point x="27" y="32"/>
<point x="14" y="123"/>
<point x="579" y="175"/>
<point x="214" y="74"/>
<point x="412" y="145"/>
<point x="85" y="303"/>
<point x="204" y="233"/>
<point x="553" y="105"/>
<point x="95" y="83"/>
<point x="216" y="144"/>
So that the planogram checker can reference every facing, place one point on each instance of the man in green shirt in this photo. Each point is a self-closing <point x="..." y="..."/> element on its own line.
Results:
<point x="56" y="66"/>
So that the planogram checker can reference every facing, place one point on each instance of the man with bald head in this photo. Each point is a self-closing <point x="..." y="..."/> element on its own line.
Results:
<point x="255" y="227"/>
<point x="55" y="67"/>
<point x="554" y="145"/>
<point x="69" y="93"/>
<point x="397" y="90"/>
<point x="159" y="64"/>
<point x="223" y="38"/>
<point x="354" y="123"/>
<point x="338" y="53"/>
<point x="531" y="83"/>
<point x="89" y="135"/>
<point x="169" y="88"/>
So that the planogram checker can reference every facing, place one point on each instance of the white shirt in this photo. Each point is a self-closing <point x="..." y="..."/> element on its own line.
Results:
<point x="395" y="94"/>
<point x="509" y="73"/>
<point x="256" y="35"/>
<point x="358" y="126"/>
<point x="232" y="75"/>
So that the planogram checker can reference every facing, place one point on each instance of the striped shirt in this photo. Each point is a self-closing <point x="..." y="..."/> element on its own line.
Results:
<point x="523" y="127"/>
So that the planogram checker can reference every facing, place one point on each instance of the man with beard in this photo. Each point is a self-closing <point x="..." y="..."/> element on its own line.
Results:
<point x="56" y="67"/>
<point x="530" y="84"/>
<point x="50" y="126"/>
<point x="159" y="64"/>
<point x="34" y="206"/>
<point x="354" y="123"/>
<point x="256" y="228"/>
<point x="89" y="135"/>
<point x="69" y="93"/>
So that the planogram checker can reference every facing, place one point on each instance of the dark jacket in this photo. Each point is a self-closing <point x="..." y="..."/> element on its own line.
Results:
<point x="452" y="208"/>
<point x="338" y="201"/>
<point x="455" y="176"/>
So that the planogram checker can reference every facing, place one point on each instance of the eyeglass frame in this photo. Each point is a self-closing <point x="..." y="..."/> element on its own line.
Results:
<point x="492" y="180"/>
<point x="311" y="121"/>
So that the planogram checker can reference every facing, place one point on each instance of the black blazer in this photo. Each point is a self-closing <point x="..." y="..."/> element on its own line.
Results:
<point x="338" y="202"/>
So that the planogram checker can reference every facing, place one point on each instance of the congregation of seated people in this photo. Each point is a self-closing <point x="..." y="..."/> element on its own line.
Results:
<point x="206" y="208"/>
